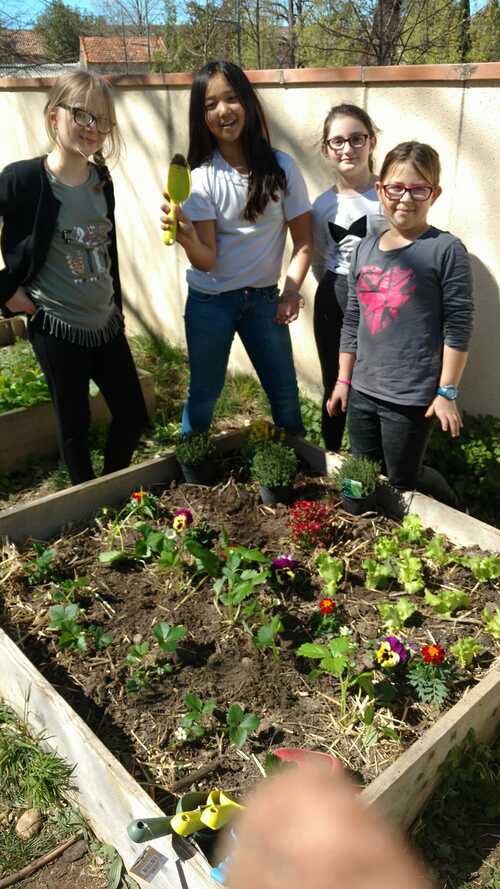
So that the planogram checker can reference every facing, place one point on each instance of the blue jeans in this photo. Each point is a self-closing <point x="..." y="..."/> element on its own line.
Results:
<point x="211" y="322"/>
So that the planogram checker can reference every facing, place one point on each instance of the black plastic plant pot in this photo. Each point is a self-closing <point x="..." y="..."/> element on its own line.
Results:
<point x="278" y="494"/>
<point x="360" y="505"/>
<point x="204" y="473"/>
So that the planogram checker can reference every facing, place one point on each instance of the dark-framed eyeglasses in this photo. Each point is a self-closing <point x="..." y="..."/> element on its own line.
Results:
<point x="84" y="118"/>
<point x="395" y="190"/>
<point x="356" y="141"/>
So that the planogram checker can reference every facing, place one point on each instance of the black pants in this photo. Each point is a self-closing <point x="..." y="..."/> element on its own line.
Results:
<point x="396" y="436"/>
<point x="329" y="306"/>
<point x="68" y="369"/>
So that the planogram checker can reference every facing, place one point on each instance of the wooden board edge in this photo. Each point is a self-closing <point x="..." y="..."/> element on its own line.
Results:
<point x="401" y="790"/>
<point x="119" y="799"/>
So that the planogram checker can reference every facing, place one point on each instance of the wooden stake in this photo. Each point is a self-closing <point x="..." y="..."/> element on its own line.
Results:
<point x="40" y="862"/>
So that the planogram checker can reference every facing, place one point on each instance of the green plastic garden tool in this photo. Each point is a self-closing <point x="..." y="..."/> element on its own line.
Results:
<point x="213" y="812"/>
<point x="178" y="190"/>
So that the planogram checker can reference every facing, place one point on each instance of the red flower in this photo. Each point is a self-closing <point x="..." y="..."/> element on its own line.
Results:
<point x="433" y="654"/>
<point x="326" y="605"/>
<point x="139" y="495"/>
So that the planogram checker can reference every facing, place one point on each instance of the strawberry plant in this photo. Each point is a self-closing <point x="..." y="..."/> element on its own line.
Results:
<point x="240" y="724"/>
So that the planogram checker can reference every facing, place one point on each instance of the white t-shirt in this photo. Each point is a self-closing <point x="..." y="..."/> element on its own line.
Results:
<point x="249" y="254"/>
<point x="332" y="250"/>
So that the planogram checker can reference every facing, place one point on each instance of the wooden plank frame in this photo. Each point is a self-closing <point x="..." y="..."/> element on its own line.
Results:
<point x="400" y="791"/>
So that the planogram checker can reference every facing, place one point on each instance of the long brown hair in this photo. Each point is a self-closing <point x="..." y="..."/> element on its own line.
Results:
<point x="424" y="158"/>
<point x="358" y="113"/>
<point x="266" y="178"/>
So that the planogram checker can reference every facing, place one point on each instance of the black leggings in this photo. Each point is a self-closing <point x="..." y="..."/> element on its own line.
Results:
<point x="68" y="369"/>
<point x="329" y="306"/>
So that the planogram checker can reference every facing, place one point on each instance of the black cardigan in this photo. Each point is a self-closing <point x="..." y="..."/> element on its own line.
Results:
<point x="29" y="210"/>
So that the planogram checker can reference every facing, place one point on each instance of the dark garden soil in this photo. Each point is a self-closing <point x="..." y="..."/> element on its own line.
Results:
<point x="219" y="660"/>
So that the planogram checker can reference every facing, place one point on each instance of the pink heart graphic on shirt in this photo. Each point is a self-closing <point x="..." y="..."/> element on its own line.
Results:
<point x="381" y="294"/>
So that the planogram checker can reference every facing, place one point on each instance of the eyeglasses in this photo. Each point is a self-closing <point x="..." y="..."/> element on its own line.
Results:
<point x="84" y="118"/>
<point x="357" y="141"/>
<point x="394" y="191"/>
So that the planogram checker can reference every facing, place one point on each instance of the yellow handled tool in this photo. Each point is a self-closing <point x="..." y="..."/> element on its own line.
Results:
<point x="178" y="190"/>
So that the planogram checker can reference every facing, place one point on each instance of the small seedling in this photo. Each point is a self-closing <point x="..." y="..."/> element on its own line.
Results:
<point x="240" y="724"/>
<point x="465" y="651"/>
<point x="100" y="637"/>
<point x="239" y="582"/>
<point x="64" y="619"/>
<point x="199" y="713"/>
<point x="484" y="568"/>
<point x="411" y="530"/>
<point x="68" y="590"/>
<point x="491" y="620"/>
<point x="336" y="658"/>
<point x="331" y="571"/>
<point x="41" y="568"/>
<point x="267" y="634"/>
<point x="168" y="636"/>
<point x="447" y="601"/>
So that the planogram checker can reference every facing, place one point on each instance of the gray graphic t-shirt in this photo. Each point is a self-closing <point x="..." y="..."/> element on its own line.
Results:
<point x="75" y="288"/>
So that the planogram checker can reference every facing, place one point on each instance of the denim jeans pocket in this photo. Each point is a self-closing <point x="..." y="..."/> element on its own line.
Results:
<point x="198" y="296"/>
<point x="271" y="294"/>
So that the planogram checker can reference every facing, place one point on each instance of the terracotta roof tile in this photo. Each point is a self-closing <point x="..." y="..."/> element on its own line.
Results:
<point x="102" y="50"/>
<point x="22" y="45"/>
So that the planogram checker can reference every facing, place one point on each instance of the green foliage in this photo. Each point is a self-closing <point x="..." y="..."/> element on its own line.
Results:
<point x="61" y="27"/>
<point x="465" y="651"/>
<point x="69" y="590"/>
<point x="378" y="574"/>
<point x="21" y="386"/>
<point x="311" y="418"/>
<point x="100" y="637"/>
<point x="472" y="461"/>
<point x="436" y="552"/>
<point x="484" y="568"/>
<point x="196" y="719"/>
<point x="168" y="636"/>
<point x="240" y="724"/>
<point x="361" y="470"/>
<point x="267" y="634"/>
<point x="411" y="530"/>
<point x="334" y="657"/>
<point x="430" y="681"/>
<point x="64" y="619"/>
<point x="445" y="602"/>
<point x="387" y="548"/>
<point x="331" y="571"/>
<point x="195" y="448"/>
<point x="273" y="464"/>
<point x="41" y="569"/>
<point x="396" y="614"/>
<point x="29" y="774"/>
<point x="409" y="571"/>
<point x="238" y="581"/>
<point x="491" y="620"/>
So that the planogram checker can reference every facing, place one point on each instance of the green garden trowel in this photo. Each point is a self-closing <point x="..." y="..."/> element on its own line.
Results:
<point x="178" y="190"/>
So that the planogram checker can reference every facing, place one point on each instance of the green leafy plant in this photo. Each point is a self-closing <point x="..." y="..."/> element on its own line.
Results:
<point x="196" y="719"/>
<point x="311" y="417"/>
<point x="398" y="613"/>
<point x="465" y="651"/>
<point x="331" y="571"/>
<point x="273" y="464"/>
<point x="436" y="552"/>
<point x="41" y="569"/>
<point x="447" y="601"/>
<point x="141" y="674"/>
<point x="361" y="470"/>
<point x="238" y="582"/>
<point x="430" y="676"/>
<point x="195" y="448"/>
<point x="409" y="571"/>
<point x="387" y="548"/>
<point x="335" y="657"/>
<point x="378" y="574"/>
<point x="22" y="383"/>
<point x="240" y="724"/>
<point x="64" y="619"/>
<point x="69" y="590"/>
<point x="491" y="620"/>
<point x="411" y="530"/>
<point x="100" y="637"/>
<point x="267" y="634"/>
<point x="484" y="568"/>
<point x="168" y="636"/>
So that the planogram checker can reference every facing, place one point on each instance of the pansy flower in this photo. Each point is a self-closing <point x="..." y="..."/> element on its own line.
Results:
<point x="326" y="605"/>
<point x="284" y="568"/>
<point x="433" y="654"/>
<point x="182" y="519"/>
<point x="391" y="652"/>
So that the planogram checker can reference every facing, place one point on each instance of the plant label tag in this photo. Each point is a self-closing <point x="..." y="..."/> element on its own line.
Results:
<point x="352" y="488"/>
<point x="149" y="864"/>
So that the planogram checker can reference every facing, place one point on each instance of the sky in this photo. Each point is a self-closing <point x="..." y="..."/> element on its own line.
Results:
<point x="28" y="10"/>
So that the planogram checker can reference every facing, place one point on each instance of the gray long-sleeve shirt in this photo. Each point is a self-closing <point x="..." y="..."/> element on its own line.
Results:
<point x="403" y="305"/>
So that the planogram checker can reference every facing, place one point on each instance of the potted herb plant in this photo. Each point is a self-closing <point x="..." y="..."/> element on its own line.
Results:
<point x="357" y="480"/>
<point x="196" y="453"/>
<point x="274" y="467"/>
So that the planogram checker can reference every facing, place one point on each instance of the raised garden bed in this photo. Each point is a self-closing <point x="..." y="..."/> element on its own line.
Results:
<point x="129" y="599"/>
<point x="31" y="431"/>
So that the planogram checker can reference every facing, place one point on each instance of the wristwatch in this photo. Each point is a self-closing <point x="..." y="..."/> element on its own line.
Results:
<point x="449" y="392"/>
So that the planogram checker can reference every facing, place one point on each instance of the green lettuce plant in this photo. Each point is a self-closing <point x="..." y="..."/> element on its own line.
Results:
<point x="447" y="601"/>
<point x="465" y="651"/>
<point x="395" y="614"/>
